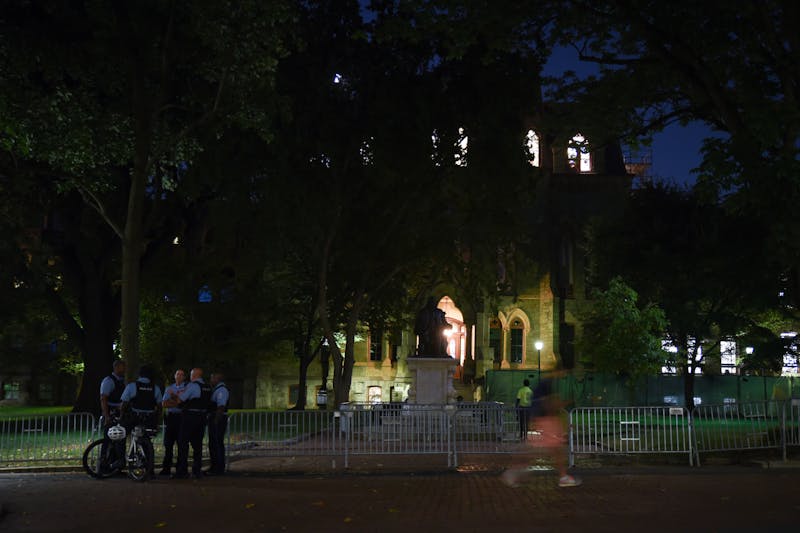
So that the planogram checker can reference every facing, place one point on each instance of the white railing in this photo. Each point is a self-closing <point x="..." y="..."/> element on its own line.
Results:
<point x="746" y="426"/>
<point x="53" y="439"/>
<point x="447" y="430"/>
<point x="629" y="430"/>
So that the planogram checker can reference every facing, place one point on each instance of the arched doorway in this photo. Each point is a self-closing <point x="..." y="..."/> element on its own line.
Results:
<point x="457" y="334"/>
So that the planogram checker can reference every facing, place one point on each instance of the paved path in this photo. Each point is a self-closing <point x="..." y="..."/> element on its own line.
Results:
<point x="664" y="498"/>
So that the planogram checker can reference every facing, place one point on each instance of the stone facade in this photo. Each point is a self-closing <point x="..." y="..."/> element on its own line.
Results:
<point x="538" y="305"/>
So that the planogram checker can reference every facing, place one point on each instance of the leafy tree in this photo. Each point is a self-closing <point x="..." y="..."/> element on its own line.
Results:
<point x="728" y="64"/>
<point x="620" y="335"/>
<point x="688" y="257"/>
<point x="113" y="96"/>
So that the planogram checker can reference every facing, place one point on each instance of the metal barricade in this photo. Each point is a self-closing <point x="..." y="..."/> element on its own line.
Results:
<point x="403" y="429"/>
<point x="283" y="433"/>
<point x="52" y="440"/>
<point x="629" y="430"/>
<point x="486" y="428"/>
<point x="792" y="426"/>
<point x="745" y="426"/>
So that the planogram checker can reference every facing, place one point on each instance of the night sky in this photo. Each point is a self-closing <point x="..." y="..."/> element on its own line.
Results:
<point x="675" y="151"/>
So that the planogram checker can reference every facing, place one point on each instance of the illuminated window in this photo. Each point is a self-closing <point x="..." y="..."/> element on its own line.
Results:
<point x="462" y="144"/>
<point x="792" y="357"/>
<point x="578" y="156"/>
<point x="374" y="394"/>
<point x="517" y="340"/>
<point x="667" y="346"/>
<point x="496" y="339"/>
<point x="532" y="148"/>
<point x="727" y="357"/>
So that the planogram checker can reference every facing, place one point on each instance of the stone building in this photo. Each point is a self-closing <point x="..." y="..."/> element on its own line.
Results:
<point x="533" y="320"/>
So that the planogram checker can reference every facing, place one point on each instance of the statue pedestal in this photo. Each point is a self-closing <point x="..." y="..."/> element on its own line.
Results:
<point x="431" y="380"/>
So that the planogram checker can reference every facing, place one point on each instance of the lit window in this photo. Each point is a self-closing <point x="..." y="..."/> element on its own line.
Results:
<point x="462" y="144"/>
<point x="790" y="359"/>
<point x="532" y="148"/>
<point x="727" y="357"/>
<point x="667" y="346"/>
<point x="578" y="156"/>
<point x="374" y="394"/>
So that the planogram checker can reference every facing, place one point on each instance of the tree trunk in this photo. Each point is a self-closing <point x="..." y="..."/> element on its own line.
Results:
<point x="133" y="243"/>
<point x="302" y="384"/>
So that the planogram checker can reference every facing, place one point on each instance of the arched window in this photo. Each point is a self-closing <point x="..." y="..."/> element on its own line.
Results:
<point x="578" y="156"/>
<point x="532" y="148"/>
<point x="517" y="340"/>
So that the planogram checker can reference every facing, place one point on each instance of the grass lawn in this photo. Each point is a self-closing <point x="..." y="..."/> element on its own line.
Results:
<point x="24" y="411"/>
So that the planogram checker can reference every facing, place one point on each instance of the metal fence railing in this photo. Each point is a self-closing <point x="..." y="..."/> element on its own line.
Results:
<point x="629" y="430"/>
<point x="451" y="431"/>
<point x="748" y="426"/>
<point x="54" y="439"/>
<point x="269" y="433"/>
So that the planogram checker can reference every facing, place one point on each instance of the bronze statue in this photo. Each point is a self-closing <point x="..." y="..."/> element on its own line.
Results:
<point x="430" y="326"/>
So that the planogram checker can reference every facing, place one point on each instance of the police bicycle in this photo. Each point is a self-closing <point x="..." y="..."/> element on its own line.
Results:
<point x="106" y="457"/>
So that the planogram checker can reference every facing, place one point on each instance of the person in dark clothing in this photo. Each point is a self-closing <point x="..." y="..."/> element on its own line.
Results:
<point x="195" y="401"/>
<point x="111" y="392"/>
<point x="172" y="419"/>
<point x="217" y="424"/>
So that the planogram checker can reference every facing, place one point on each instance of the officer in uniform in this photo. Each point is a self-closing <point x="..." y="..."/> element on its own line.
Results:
<point x="111" y="392"/>
<point x="195" y="401"/>
<point x="172" y="420"/>
<point x="143" y="398"/>
<point x="217" y="424"/>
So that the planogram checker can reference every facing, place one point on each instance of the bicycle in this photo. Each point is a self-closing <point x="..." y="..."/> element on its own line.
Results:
<point x="140" y="457"/>
<point x="106" y="457"/>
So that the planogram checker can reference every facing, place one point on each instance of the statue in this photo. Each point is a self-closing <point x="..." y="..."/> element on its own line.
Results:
<point x="430" y="326"/>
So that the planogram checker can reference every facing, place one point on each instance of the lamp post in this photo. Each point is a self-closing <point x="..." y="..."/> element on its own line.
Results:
<point x="539" y="345"/>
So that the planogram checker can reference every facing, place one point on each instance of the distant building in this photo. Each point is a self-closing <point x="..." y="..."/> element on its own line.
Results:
<point x="539" y="304"/>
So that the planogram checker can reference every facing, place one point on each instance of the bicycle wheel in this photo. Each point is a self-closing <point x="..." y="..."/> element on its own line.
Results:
<point x="99" y="462"/>
<point x="141" y="464"/>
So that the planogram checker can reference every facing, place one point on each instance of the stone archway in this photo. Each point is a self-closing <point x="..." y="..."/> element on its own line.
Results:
<point x="457" y="336"/>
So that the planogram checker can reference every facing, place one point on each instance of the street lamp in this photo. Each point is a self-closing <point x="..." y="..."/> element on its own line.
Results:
<point x="539" y="345"/>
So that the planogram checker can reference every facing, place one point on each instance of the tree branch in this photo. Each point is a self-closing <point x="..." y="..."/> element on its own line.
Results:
<point x="94" y="201"/>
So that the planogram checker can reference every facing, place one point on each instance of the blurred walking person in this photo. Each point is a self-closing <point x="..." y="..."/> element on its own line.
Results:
<point x="549" y="418"/>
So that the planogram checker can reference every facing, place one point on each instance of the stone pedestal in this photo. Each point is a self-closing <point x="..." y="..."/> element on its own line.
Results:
<point x="431" y="380"/>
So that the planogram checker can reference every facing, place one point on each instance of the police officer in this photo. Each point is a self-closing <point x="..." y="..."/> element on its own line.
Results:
<point x="111" y="392"/>
<point x="195" y="401"/>
<point x="217" y="424"/>
<point x="172" y="420"/>
<point x="143" y="398"/>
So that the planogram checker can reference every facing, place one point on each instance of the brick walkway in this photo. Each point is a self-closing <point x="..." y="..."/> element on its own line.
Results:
<point x="389" y="495"/>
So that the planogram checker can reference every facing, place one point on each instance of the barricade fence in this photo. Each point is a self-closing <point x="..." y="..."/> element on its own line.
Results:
<point x="54" y="439"/>
<point x="629" y="430"/>
<point x="451" y="431"/>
